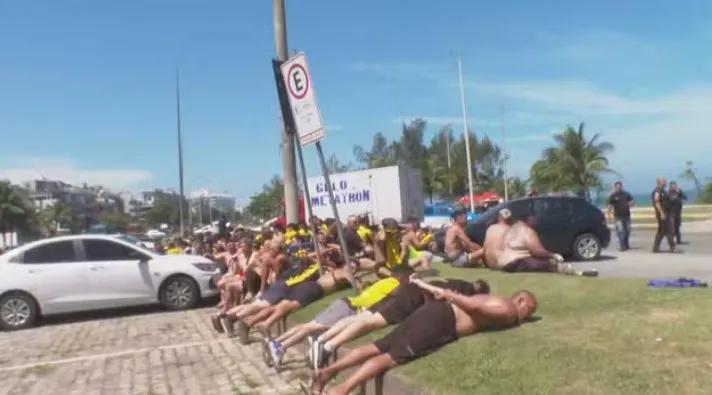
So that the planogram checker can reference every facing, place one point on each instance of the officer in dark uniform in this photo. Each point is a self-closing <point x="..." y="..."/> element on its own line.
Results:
<point x="661" y="204"/>
<point x="677" y="197"/>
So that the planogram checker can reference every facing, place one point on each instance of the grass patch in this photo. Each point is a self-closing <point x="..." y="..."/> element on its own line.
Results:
<point x="596" y="336"/>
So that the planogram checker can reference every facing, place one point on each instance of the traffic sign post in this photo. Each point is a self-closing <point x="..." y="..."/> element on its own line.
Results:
<point x="309" y="128"/>
<point x="302" y="100"/>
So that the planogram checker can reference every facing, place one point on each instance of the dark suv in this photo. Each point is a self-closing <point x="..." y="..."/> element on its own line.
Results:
<point x="568" y="226"/>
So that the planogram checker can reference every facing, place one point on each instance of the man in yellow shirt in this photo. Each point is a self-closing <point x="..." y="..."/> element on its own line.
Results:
<point x="338" y="311"/>
<point x="175" y="248"/>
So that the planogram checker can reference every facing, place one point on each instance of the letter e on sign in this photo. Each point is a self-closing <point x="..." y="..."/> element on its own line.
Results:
<point x="302" y="100"/>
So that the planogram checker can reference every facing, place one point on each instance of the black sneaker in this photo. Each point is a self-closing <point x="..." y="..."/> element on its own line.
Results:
<point x="323" y="357"/>
<point x="243" y="332"/>
<point x="217" y="322"/>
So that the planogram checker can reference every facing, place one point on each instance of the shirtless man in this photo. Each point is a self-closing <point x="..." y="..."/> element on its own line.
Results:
<point x="524" y="253"/>
<point x="404" y="301"/>
<point x="428" y="329"/>
<point x="460" y="251"/>
<point x="494" y="238"/>
<point x="231" y="283"/>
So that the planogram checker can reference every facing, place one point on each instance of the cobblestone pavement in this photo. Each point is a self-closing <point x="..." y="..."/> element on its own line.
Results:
<point x="153" y="354"/>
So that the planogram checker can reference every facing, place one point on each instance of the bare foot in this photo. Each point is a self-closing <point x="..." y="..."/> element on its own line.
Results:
<point x="262" y="328"/>
<point x="319" y="381"/>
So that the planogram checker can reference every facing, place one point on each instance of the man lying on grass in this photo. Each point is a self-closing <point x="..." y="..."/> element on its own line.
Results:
<point x="337" y="310"/>
<point x="432" y="326"/>
<point x="404" y="301"/>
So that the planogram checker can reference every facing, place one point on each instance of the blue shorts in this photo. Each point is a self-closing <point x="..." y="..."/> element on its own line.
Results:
<point x="275" y="293"/>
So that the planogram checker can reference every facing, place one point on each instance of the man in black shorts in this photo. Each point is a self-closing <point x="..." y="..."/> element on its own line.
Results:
<point x="432" y="326"/>
<point x="404" y="301"/>
<point x="300" y="295"/>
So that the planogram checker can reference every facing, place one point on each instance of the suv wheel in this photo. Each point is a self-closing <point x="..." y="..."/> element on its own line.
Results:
<point x="179" y="293"/>
<point x="587" y="247"/>
<point x="17" y="311"/>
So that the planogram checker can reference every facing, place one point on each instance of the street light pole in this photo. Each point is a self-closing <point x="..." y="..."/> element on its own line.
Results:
<point x="289" y="164"/>
<point x="467" y="136"/>
<point x="180" y="157"/>
<point x="502" y="111"/>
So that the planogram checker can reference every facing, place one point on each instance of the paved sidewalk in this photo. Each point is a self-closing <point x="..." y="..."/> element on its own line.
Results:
<point x="150" y="354"/>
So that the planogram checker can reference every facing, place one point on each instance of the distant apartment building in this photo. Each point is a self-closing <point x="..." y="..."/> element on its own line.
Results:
<point x="206" y="200"/>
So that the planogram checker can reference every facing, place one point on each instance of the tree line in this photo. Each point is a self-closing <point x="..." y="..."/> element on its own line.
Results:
<point x="575" y="162"/>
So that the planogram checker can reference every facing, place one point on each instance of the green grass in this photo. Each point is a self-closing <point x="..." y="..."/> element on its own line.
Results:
<point x="596" y="336"/>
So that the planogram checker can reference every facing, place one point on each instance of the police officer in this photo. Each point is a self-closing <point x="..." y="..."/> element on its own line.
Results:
<point x="661" y="205"/>
<point x="677" y="197"/>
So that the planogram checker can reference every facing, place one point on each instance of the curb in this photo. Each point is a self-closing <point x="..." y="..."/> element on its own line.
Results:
<point x="393" y="382"/>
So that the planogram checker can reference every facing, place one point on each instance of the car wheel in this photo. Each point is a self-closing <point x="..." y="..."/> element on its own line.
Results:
<point x="587" y="247"/>
<point x="18" y="310"/>
<point x="179" y="293"/>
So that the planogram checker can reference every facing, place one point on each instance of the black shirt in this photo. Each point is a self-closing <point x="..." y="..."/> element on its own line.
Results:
<point x="664" y="200"/>
<point x="676" y="199"/>
<point x="620" y="201"/>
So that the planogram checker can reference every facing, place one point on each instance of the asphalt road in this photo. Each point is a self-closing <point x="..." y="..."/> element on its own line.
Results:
<point x="642" y="240"/>
<point x="639" y="263"/>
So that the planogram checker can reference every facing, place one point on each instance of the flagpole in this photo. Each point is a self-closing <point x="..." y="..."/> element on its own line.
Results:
<point x="467" y="136"/>
<point x="180" y="157"/>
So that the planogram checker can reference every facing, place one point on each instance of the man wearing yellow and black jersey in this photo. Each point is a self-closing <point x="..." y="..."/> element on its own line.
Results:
<point x="337" y="311"/>
<point x="296" y="272"/>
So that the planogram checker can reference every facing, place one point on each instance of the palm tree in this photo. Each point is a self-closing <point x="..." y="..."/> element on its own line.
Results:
<point x="15" y="209"/>
<point x="575" y="163"/>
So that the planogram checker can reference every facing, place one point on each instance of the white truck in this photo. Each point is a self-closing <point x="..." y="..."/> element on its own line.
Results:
<point x="386" y="192"/>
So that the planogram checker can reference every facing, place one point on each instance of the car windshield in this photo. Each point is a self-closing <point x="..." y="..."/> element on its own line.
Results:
<point x="136" y="243"/>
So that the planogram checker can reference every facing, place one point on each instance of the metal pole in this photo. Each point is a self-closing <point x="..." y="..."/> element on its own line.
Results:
<point x="449" y="160"/>
<point x="289" y="165"/>
<point x="504" y="150"/>
<point x="467" y="135"/>
<point x="339" y="225"/>
<point x="307" y="202"/>
<point x="180" y="157"/>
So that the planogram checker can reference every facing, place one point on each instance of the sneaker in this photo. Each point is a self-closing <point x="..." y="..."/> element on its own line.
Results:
<point x="325" y="357"/>
<point x="310" y="355"/>
<point x="217" y="323"/>
<point x="228" y="325"/>
<point x="275" y="352"/>
<point x="243" y="332"/>
<point x="316" y="351"/>
<point x="589" y="273"/>
<point x="266" y="352"/>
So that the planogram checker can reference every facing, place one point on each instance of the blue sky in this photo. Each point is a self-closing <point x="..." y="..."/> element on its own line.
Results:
<point x="87" y="87"/>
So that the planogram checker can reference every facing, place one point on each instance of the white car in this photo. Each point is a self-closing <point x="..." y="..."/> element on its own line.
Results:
<point x="70" y="274"/>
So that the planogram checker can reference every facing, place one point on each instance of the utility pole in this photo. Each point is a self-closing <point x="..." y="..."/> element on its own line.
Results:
<point x="289" y="163"/>
<point x="467" y="136"/>
<point x="504" y="150"/>
<point x="180" y="157"/>
<point x="449" y="159"/>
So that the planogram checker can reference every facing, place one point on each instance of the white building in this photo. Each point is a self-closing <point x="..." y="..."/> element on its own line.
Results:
<point x="220" y="202"/>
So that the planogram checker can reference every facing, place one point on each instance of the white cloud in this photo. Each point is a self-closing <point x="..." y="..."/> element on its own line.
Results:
<point x="19" y="170"/>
